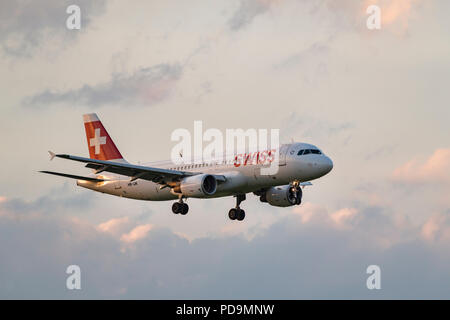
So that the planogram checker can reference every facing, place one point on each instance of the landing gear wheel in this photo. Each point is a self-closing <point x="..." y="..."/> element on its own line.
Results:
<point x="184" y="208"/>
<point x="176" y="207"/>
<point x="180" y="207"/>
<point x="240" y="215"/>
<point x="232" y="214"/>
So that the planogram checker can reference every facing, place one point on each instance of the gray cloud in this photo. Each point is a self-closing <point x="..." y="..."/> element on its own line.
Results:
<point x="341" y="14"/>
<point x="247" y="11"/>
<point x="26" y="25"/>
<point x="291" y="259"/>
<point x="144" y="87"/>
<point x="61" y="199"/>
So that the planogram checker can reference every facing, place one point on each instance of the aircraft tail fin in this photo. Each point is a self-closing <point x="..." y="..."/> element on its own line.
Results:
<point x="100" y="144"/>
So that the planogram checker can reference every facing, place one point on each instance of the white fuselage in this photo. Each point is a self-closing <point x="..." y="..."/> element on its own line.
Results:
<point x="239" y="179"/>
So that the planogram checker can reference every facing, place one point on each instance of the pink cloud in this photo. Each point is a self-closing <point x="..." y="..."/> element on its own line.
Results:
<point x="437" y="228"/>
<point x="137" y="233"/>
<point x="435" y="169"/>
<point x="114" y="225"/>
<point x="311" y="212"/>
<point x="342" y="215"/>
<point x="393" y="11"/>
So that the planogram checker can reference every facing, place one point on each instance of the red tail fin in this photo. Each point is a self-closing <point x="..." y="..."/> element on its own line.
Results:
<point x="100" y="144"/>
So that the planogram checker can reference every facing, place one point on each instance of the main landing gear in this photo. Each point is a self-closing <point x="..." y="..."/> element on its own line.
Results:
<point x="237" y="213"/>
<point x="180" y="207"/>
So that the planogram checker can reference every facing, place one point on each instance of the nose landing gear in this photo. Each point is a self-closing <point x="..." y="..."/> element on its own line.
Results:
<point x="237" y="213"/>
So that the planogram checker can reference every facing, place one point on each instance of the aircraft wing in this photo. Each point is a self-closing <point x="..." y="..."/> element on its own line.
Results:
<point x="157" y="175"/>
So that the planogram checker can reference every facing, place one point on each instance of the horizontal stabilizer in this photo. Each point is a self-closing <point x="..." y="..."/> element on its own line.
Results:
<point x="73" y="176"/>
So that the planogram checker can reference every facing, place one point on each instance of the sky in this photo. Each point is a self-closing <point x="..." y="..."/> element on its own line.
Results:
<point x="375" y="101"/>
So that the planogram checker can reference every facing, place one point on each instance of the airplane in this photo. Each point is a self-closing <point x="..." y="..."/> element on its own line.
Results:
<point x="298" y="164"/>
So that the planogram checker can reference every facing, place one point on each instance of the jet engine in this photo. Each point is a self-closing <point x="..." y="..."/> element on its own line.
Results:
<point x="283" y="196"/>
<point x="198" y="186"/>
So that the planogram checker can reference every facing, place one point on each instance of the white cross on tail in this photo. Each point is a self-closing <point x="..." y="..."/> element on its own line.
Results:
<point x="97" y="141"/>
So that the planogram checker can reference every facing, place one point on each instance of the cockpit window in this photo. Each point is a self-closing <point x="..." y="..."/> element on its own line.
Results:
<point x="308" y="151"/>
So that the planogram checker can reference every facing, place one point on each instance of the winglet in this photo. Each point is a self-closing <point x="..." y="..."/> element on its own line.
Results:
<point x="52" y="155"/>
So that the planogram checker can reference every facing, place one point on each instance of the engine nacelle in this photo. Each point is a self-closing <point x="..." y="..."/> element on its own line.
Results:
<point x="198" y="186"/>
<point x="283" y="196"/>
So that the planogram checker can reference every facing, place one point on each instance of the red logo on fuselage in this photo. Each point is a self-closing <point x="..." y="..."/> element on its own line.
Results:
<point x="254" y="158"/>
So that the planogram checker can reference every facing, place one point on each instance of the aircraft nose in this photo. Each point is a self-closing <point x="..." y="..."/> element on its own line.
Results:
<point x="327" y="165"/>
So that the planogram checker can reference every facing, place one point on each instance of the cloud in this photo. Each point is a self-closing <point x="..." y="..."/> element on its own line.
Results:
<point x="27" y="25"/>
<point x="296" y="257"/>
<point x="114" y="226"/>
<point x="435" y="169"/>
<point x="137" y="233"/>
<point x="342" y="215"/>
<point x="61" y="199"/>
<point x="395" y="11"/>
<point x="349" y="14"/>
<point x="145" y="87"/>
<point x="308" y="211"/>
<point x="125" y="229"/>
<point x="315" y="213"/>
<point x="247" y="11"/>
<point x="437" y="228"/>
